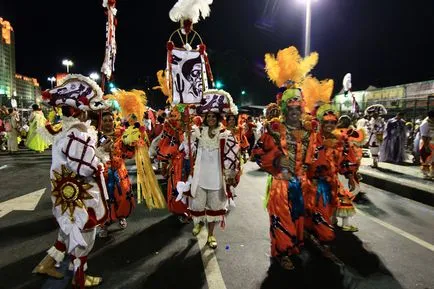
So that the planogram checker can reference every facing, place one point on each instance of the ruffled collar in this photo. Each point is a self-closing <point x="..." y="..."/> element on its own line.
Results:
<point x="210" y="143"/>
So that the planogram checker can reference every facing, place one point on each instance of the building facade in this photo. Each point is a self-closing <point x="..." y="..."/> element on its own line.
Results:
<point x="7" y="60"/>
<point x="27" y="90"/>
<point x="414" y="99"/>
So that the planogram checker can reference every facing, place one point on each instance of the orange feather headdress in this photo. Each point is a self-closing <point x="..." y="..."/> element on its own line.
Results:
<point x="132" y="103"/>
<point x="163" y="85"/>
<point x="315" y="92"/>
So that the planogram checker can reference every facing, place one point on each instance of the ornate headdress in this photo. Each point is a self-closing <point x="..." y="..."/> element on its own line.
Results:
<point x="327" y="111"/>
<point x="132" y="103"/>
<point x="77" y="91"/>
<point x="288" y="70"/>
<point x="188" y="12"/>
<point x="376" y="108"/>
<point x="218" y="101"/>
<point x="316" y="92"/>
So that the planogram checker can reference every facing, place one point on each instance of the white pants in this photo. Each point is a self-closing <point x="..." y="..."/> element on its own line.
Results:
<point x="89" y="238"/>
<point x="208" y="205"/>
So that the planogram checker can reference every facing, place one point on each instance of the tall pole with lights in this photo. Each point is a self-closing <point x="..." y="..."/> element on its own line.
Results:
<point x="307" y="32"/>
<point x="51" y="79"/>
<point x="67" y="63"/>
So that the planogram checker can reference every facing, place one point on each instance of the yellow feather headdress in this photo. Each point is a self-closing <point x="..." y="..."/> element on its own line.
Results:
<point x="315" y="91"/>
<point x="288" y="65"/>
<point x="164" y="87"/>
<point x="132" y="102"/>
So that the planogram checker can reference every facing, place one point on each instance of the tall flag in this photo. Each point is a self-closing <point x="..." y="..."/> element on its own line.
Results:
<point x="108" y="65"/>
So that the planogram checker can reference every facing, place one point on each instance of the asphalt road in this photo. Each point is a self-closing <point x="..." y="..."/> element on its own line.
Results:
<point x="393" y="249"/>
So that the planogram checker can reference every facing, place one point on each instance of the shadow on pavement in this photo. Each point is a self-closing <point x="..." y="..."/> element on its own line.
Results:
<point x="362" y="262"/>
<point x="104" y="260"/>
<point x="178" y="271"/>
<point x="354" y="268"/>
<point x="19" y="274"/>
<point x="134" y="251"/>
<point x="363" y="202"/>
<point x="23" y="231"/>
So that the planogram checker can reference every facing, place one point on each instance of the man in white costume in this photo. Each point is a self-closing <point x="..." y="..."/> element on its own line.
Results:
<point x="78" y="188"/>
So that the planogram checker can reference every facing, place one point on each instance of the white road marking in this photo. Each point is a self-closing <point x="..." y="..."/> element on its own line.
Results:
<point x="399" y="231"/>
<point x="3" y="167"/>
<point x="26" y="202"/>
<point x="212" y="269"/>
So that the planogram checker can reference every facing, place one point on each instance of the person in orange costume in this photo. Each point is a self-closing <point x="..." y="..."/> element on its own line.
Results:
<point x="334" y="154"/>
<point x="352" y="141"/>
<point x="282" y="151"/>
<point x="121" y="199"/>
<point x="176" y="161"/>
<point x="322" y="198"/>
<point x="238" y="133"/>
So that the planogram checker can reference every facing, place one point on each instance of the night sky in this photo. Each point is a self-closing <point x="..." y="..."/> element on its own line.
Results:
<point x="381" y="42"/>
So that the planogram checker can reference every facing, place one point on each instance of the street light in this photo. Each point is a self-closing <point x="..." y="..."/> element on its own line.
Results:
<point x="308" y="24"/>
<point x="51" y="79"/>
<point x="243" y="92"/>
<point x="67" y="63"/>
<point x="94" y="76"/>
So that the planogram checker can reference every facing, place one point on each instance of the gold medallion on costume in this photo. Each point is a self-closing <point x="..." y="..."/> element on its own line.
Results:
<point x="69" y="190"/>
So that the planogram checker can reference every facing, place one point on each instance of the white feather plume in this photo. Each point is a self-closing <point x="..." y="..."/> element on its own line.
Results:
<point x="347" y="82"/>
<point x="190" y="9"/>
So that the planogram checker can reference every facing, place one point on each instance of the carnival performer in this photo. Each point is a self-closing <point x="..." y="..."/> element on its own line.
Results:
<point x="215" y="166"/>
<point x="352" y="141"/>
<point x="282" y="151"/>
<point x="175" y="159"/>
<point x="78" y="187"/>
<point x="393" y="147"/>
<point x="133" y="106"/>
<point x="37" y="121"/>
<point x="376" y="128"/>
<point x="121" y="200"/>
<point x="12" y="125"/>
<point x="250" y="128"/>
<point x="426" y="148"/>
<point x="237" y="130"/>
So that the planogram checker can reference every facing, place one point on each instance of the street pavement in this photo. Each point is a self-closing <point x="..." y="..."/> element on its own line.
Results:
<point x="393" y="249"/>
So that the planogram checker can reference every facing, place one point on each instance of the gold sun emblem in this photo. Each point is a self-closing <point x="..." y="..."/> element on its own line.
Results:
<point x="70" y="191"/>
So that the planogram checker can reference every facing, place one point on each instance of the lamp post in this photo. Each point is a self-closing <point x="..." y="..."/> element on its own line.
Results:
<point x="51" y="79"/>
<point x="67" y="63"/>
<point x="307" y="32"/>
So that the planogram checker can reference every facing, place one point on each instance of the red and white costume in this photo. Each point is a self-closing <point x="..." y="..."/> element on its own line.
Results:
<point x="216" y="160"/>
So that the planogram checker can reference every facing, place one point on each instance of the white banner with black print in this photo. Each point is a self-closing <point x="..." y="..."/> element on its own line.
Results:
<point x="187" y="76"/>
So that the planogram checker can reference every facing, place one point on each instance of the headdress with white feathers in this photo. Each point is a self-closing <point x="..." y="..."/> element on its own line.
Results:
<point x="190" y="10"/>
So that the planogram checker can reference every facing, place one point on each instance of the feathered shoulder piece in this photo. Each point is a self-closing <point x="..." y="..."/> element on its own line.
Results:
<point x="327" y="111"/>
<point x="163" y="85"/>
<point x="315" y="91"/>
<point x="132" y="103"/>
<point x="288" y="65"/>
<point x="190" y="10"/>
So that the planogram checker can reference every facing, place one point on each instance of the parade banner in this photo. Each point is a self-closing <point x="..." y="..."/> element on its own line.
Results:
<point x="187" y="76"/>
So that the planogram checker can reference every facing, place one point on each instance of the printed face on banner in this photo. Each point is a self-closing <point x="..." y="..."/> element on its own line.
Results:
<point x="186" y="76"/>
